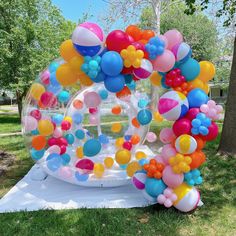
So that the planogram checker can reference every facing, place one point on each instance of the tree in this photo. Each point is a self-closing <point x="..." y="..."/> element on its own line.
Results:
<point x="30" y="34"/>
<point x="228" y="136"/>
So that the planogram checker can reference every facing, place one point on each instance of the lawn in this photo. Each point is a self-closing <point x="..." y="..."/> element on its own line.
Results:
<point x="9" y="123"/>
<point x="216" y="217"/>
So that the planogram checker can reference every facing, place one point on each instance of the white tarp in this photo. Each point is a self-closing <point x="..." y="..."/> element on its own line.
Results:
<point x="51" y="193"/>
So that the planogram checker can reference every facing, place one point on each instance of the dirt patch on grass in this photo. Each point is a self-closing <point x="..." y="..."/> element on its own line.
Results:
<point x="6" y="161"/>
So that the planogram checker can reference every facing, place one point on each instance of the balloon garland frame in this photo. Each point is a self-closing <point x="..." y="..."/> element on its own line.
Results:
<point x="96" y="76"/>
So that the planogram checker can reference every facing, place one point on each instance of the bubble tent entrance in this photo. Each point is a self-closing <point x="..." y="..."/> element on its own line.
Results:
<point x="73" y="112"/>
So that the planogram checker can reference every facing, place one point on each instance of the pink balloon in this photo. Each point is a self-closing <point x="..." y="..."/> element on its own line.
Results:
<point x="212" y="113"/>
<point x="54" y="149"/>
<point x="204" y="108"/>
<point x="167" y="135"/>
<point x="151" y="137"/>
<point x="211" y="104"/>
<point x="57" y="132"/>
<point x="159" y="159"/>
<point x="30" y="123"/>
<point x="48" y="99"/>
<point x="44" y="77"/>
<point x="219" y="108"/>
<point x="161" y="199"/>
<point x="164" y="39"/>
<point x="93" y="120"/>
<point x="167" y="152"/>
<point x="164" y="62"/>
<point x="182" y="126"/>
<point x="173" y="37"/>
<point x="92" y="99"/>
<point x="65" y="172"/>
<point x="171" y="179"/>
<point x="168" y="203"/>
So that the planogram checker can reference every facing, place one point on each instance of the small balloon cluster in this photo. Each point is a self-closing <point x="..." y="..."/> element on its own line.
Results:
<point x="188" y="106"/>
<point x="97" y="75"/>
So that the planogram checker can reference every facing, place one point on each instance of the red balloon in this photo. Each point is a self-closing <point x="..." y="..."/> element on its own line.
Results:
<point x="213" y="132"/>
<point x="118" y="40"/>
<point x="62" y="141"/>
<point x="182" y="126"/>
<point x="192" y="113"/>
<point x="126" y="71"/>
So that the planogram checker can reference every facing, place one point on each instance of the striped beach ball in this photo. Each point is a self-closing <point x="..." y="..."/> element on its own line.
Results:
<point x="88" y="39"/>
<point x="139" y="179"/>
<point x="173" y="105"/>
<point x="145" y="70"/>
<point x="186" y="144"/>
<point x="182" y="52"/>
<point x="188" y="198"/>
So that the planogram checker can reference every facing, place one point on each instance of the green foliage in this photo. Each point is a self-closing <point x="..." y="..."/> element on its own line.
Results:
<point x="198" y="30"/>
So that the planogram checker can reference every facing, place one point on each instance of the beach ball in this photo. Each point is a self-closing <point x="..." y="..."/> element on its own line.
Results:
<point x="145" y="70"/>
<point x="173" y="105"/>
<point x="88" y="39"/>
<point x="139" y="179"/>
<point x="182" y="52"/>
<point x="188" y="198"/>
<point x="154" y="187"/>
<point x="185" y="144"/>
<point x="172" y="179"/>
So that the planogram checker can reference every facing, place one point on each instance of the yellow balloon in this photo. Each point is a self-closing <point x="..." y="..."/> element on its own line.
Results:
<point x="132" y="167"/>
<point x="155" y="79"/>
<point x="85" y="80"/>
<point x="65" y="75"/>
<point x="116" y="127"/>
<point x="140" y="155"/>
<point x="206" y="88"/>
<point x="123" y="156"/>
<point x="98" y="170"/>
<point x="207" y="71"/>
<point x="108" y="162"/>
<point x="119" y="142"/>
<point x="36" y="91"/>
<point x="75" y="64"/>
<point x="68" y="118"/>
<point x="67" y="50"/>
<point x="80" y="152"/>
<point x="197" y="83"/>
<point x="45" y="127"/>
<point x="157" y="117"/>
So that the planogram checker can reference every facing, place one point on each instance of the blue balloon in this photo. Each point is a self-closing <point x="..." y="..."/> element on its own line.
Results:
<point x="77" y="118"/>
<point x="143" y="161"/>
<point x="196" y="123"/>
<point x="99" y="78"/>
<point x="103" y="139"/>
<point x="142" y="103"/>
<point x="64" y="96"/>
<point x="81" y="177"/>
<point x="111" y="63"/>
<point x="54" y="162"/>
<point x="92" y="147"/>
<point x="131" y="85"/>
<point x="57" y="119"/>
<point x="123" y="166"/>
<point x="127" y="137"/>
<point x="190" y="69"/>
<point x="197" y="97"/>
<point x="53" y="66"/>
<point x="37" y="154"/>
<point x="103" y="94"/>
<point x="53" y="80"/>
<point x="35" y="132"/>
<point x="70" y="138"/>
<point x="154" y="187"/>
<point x="114" y="84"/>
<point x="54" y="89"/>
<point x="65" y="159"/>
<point x="203" y="130"/>
<point x="79" y="133"/>
<point x="144" y="117"/>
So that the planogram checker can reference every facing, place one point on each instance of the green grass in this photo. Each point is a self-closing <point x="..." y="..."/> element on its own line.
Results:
<point x="9" y="123"/>
<point x="216" y="217"/>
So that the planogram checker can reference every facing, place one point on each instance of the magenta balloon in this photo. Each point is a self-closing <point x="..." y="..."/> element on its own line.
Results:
<point x="167" y="152"/>
<point x="164" y="62"/>
<point x="167" y="135"/>
<point x="192" y="113"/>
<point x="30" y="123"/>
<point x="213" y="132"/>
<point x="171" y="179"/>
<point x="173" y="37"/>
<point x="182" y="126"/>
<point x="92" y="99"/>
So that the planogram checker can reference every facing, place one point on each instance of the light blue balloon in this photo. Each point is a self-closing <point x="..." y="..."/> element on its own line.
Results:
<point x="103" y="139"/>
<point x="79" y="134"/>
<point x="142" y="103"/>
<point x="103" y="94"/>
<point x="144" y="117"/>
<point x="154" y="187"/>
<point x="81" y="177"/>
<point x="77" y="118"/>
<point x="57" y="119"/>
<point x="190" y="69"/>
<point x="54" y="162"/>
<point x="206" y="122"/>
<point x="64" y="96"/>
<point x="143" y="161"/>
<point x="203" y="130"/>
<point x="53" y="80"/>
<point x="37" y="154"/>
<point x="53" y="66"/>
<point x="196" y="123"/>
<point x="111" y="63"/>
<point x="92" y="147"/>
<point x="54" y="89"/>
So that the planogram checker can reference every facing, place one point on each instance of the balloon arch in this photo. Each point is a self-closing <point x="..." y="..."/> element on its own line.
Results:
<point x="85" y="123"/>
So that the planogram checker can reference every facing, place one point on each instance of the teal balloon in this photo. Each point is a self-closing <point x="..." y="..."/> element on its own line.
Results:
<point x="65" y="159"/>
<point x="154" y="187"/>
<point x="92" y="147"/>
<point x="70" y="138"/>
<point x="190" y="69"/>
<point x="144" y="117"/>
<point x="37" y="154"/>
<point x="103" y="94"/>
<point x="79" y="133"/>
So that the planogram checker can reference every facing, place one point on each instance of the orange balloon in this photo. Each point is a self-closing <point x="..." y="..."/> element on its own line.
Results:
<point x="198" y="158"/>
<point x="67" y="50"/>
<point x="75" y="64"/>
<point x="40" y="105"/>
<point x="143" y="41"/>
<point x="135" y="122"/>
<point x="200" y="143"/>
<point x="124" y="92"/>
<point x="147" y="34"/>
<point x="39" y="142"/>
<point x="65" y="75"/>
<point x="134" y="31"/>
<point x="78" y="104"/>
<point x="135" y="139"/>
<point x="85" y="80"/>
<point x="116" y="110"/>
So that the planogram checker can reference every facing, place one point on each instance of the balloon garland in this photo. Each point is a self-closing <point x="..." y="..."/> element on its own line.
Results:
<point x="95" y="79"/>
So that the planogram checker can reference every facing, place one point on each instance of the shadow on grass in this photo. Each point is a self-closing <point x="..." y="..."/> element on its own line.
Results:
<point x="13" y="119"/>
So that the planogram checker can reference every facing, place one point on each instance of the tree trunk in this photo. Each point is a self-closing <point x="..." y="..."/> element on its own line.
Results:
<point x="19" y="103"/>
<point x="228" y="136"/>
<point x="156" y="6"/>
